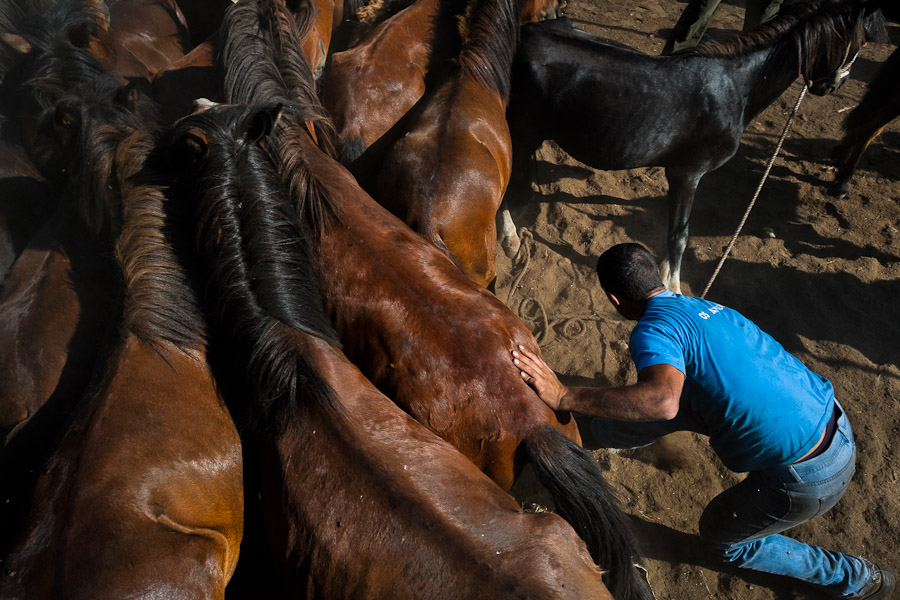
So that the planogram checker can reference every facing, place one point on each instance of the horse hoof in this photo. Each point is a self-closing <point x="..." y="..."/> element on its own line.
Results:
<point x="511" y="246"/>
<point x="839" y="189"/>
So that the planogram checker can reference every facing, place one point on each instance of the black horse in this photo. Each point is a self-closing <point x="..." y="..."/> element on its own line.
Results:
<point x="613" y="107"/>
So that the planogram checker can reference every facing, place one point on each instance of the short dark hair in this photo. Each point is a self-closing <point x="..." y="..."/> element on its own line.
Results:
<point x="629" y="272"/>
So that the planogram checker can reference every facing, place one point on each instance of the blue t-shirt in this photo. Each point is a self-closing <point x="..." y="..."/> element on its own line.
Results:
<point x="760" y="405"/>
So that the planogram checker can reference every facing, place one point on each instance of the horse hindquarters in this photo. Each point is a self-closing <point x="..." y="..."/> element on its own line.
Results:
<point x="143" y="497"/>
<point x="584" y="499"/>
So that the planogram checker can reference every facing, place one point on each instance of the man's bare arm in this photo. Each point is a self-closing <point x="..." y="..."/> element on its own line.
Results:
<point x="655" y="396"/>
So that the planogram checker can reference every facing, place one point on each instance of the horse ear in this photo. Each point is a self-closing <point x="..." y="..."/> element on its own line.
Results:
<point x="16" y="42"/>
<point x="130" y="95"/>
<point x="82" y="35"/>
<point x="262" y="123"/>
<point x="190" y="147"/>
<point x="66" y="119"/>
<point x="102" y="9"/>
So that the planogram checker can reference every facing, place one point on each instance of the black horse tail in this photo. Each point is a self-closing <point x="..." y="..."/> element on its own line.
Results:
<point x="584" y="499"/>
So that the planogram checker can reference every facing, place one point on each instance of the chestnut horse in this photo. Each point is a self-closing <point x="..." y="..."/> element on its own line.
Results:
<point x="879" y="106"/>
<point x="425" y="335"/>
<point x="370" y="87"/>
<point x="446" y="175"/>
<point x="361" y="501"/>
<point x="613" y="107"/>
<point x="142" y="496"/>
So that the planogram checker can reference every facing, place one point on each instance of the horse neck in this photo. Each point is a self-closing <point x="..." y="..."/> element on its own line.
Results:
<point x="762" y="82"/>
<point x="489" y="43"/>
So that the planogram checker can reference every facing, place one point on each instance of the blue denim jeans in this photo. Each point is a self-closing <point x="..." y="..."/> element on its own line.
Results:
<point x="741" y="526"/>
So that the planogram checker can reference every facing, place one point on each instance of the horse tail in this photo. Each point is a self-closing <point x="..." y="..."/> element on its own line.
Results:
<point x="584" y="499"/>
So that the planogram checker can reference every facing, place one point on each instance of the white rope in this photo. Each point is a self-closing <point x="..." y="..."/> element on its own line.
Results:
<point x="762" y="181"/>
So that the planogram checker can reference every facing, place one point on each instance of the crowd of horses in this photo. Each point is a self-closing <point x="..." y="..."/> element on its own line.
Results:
<point x="248" y="343"/>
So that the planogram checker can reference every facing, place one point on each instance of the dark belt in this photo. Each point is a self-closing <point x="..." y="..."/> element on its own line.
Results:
<point x="826" y="439"/>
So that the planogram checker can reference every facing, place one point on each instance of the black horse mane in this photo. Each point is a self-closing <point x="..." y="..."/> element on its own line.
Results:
<point x="446" y="37"/>
<point x="490" y="34"/>
<point x="811" y="27"/>
<point x="262" y="285"/>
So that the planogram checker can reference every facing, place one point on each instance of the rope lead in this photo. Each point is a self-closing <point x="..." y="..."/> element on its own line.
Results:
<point x="787" y="127"/>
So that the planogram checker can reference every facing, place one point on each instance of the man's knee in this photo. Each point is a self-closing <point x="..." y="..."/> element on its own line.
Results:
<point x="723" y="552"/>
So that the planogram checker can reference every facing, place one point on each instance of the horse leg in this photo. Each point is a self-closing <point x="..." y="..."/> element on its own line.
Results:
<point x="682" y="186"/>
<point x="509" y="239"/>
<point x="518" y="192"/>
<point x="848" y="153"/>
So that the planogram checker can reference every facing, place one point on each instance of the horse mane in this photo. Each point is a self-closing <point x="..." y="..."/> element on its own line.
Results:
<point x="810" y="27"/>
<point x="263" y="63"/>
<point x="490" y="33"/>
<point x="49" y="44"/>
<point x="378" y="11"/>
<point x="262" y="286"/>
<point x="160" y="305"/>
<point x="446" y="37"/>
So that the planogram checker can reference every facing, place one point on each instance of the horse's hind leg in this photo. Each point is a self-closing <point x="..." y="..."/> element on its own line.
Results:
<point x="682" y="187"/>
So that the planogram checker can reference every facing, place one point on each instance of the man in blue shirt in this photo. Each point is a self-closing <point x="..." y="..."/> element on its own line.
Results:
<point x="706" y="368"/>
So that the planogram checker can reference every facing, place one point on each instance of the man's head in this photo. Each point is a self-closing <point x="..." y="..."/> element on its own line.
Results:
<point x="629" y="275"/>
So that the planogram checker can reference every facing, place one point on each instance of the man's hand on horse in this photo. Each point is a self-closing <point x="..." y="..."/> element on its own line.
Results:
<point x="538" y="375"/>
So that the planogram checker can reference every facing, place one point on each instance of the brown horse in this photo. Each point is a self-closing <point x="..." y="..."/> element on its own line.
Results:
<point x="446" y="175"/>
<point x="147" y="35"/>
<point x="360" y="500"/>
<point x="879" y="106"/>
<point x="143" y="494"/>
<point x="424" y="334"/>
<point x="370" y="87"/>
<point x="27" y="199"/>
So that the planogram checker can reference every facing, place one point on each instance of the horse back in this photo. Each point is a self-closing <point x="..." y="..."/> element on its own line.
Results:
<point x="451" y="532"/>
<point x="428" y="337"/>
<point x="368" y="87"/>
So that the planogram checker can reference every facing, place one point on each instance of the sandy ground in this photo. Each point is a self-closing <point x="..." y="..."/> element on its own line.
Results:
<point x="821" y="275"/>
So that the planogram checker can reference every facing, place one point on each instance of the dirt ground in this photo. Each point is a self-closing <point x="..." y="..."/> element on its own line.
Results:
<point x="822" y="275"/>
